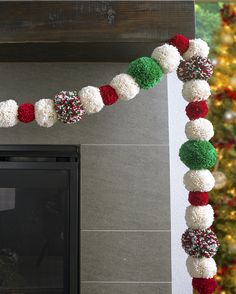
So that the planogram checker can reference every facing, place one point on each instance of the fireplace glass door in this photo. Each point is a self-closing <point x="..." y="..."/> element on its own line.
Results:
<point x="35" y="229"/>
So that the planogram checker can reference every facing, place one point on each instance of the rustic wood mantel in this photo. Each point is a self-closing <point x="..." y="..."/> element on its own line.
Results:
<point x="116" y="31"/>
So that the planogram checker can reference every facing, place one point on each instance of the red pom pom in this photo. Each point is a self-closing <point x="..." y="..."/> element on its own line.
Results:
<point x="198" y="198"/>
<point x="26" y="113"/>
<point x="108" y="94"/>
<point x="180" y="42"/>
<point x="196" y="109"/>
<point x="204" y="286"/>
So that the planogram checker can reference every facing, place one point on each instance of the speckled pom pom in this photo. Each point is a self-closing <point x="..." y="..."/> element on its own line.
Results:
<point x="197" y="109"/>
<point x="197" y="47"/>
<point x="45" y="114"/>
<point x="199" y="217"/>
<point x="180" y="42"/>
<point x="199" y="129"/>
<point x="146" y="72"/>
<point x="125" y="86"/>
<point x="168" y="57"/>
<point x="91" y="99"/>
<point x="198" y="198"/>
<point x="198" y="154"/>
<point x="68" y="107"/>
<point x="201" y="267"/>
<point x="26" y="113"/>
<point x="199" y="180"/>
<point x="204" y="286"/>
<point x="109" y="95"/>
<point x="196" y="67"/>
<point x="196" y="90"/>
<point x="8" y="113"/>
<point x="199" y="243"/>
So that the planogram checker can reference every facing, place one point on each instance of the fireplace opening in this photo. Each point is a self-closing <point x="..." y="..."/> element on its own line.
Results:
<point x="39" y="219"/>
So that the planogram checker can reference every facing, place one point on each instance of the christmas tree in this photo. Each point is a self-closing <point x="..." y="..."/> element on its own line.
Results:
<point x="222" y="113"/>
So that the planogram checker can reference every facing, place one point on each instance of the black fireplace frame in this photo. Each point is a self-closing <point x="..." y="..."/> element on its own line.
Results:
<point x="54" y="157"/>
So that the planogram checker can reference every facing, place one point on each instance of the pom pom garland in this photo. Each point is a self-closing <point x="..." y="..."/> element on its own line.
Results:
<point x="125" y="86"/>
<point x="26" y="113"/>
<point x="198" y="154"/>
<point x="201" y="267"/>
<point x="204" y="286"/>
<point x="196" y="90"/>
<point x="167" y="56"/>
<point x="200" y="243"/>
<point x="195" y="68"/>
<point x="199" y="180"/>
<point x="8" y="113"/>
<point x="109" y="95"/>
<point x="68" y="107"/>
<point x="197" y="109"/>
<point x="197" y="47"/>
<point x="199" y="217"/>
<point x="180" y="42"/>
<point x="199" y="129"/>
<point x="45" y="114"/>
<point x="91" y="99"/>
<point x="146" y="72"/>
<point x="198" y="198"/>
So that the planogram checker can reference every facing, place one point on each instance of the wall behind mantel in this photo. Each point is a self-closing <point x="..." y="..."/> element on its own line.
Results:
<point x="125" y="201"/>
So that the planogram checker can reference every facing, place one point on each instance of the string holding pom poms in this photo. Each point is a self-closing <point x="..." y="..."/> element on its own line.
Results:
<point x="196" y="109"/>
<point x="26" y="113"/>
<point x="109" y="95"/>
<point x="68" y="107"/>
<point x="146" y="72"/>
<point x="199" y="243"/>
<point x="204" y="286"/>
<point x="198" y="198"/>
<point x="180" y="42"/>
<point x="196" y="67"/>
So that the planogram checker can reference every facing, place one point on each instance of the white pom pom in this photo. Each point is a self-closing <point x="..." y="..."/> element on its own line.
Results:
<point x="197" y="47"/>
<point x="201" y="267"/>
<point x="125" y="86"/>
<point x="199" y="180"/>
<point x="8" y="113"/>
<point x="196" y="90"/>
<point x="168" y="57"/>
<point x="45" y="114"/>
<point x="199" y="217"/>
<point x="91" y="99"/>
<point x="199" y="129"/>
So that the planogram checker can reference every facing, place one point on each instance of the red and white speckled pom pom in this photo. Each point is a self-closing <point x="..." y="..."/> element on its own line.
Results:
<point x="196" y="67"/>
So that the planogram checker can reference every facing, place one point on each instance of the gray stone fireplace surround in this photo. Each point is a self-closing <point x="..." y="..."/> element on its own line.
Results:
<point x="125" y="201"/>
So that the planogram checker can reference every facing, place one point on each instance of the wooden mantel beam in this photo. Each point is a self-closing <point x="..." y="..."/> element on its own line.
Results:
<point x="117" y="31"/>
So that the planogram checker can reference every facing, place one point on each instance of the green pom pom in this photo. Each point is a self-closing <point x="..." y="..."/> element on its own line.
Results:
<point x="198" y="154"/>
<point x="146" y="72"/>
